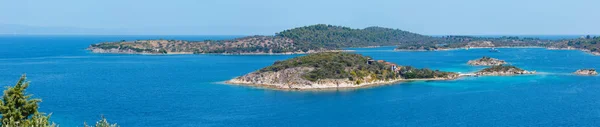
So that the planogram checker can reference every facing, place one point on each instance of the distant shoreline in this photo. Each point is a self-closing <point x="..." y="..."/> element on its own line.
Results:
<point x="116" y="51"/>
<point x="503" y="47"/>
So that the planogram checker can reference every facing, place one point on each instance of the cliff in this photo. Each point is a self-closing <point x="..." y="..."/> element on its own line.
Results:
<point x="334" y="70"/>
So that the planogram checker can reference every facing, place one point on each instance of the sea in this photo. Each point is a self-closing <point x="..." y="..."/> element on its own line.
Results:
<point x="78" y="86"/>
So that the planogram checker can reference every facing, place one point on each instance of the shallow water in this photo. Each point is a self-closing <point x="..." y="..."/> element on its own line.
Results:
<point x="184" y="90"/>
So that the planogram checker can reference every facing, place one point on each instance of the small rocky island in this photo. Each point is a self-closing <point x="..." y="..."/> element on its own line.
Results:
<point x="332" y="70"/>
<point x="486" y="61"/>
<point x="503" y="70"/>
<point x="586" y="72"/>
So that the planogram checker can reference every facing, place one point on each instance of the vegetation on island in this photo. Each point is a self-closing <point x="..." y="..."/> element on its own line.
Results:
<point x="340" y="65"/>
<point x="251" y="44"/>
<point x="501" y="68"/>
<point x="334" y="37"/>
<point x="408" y="72"/>
<point x="18" y="109"/>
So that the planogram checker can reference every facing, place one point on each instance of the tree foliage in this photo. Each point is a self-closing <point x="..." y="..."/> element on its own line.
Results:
<point x="333" y="37"/>
<point x="501" y="68"/>
<point x="102" y="123"/>
<point x="18" y="109"/>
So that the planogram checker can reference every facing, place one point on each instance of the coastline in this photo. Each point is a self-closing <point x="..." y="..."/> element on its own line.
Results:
<point x="331" y="86"/>
<point x="117" y="51"/>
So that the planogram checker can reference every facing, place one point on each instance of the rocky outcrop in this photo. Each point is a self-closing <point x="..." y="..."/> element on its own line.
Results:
<point x="586" y="72"/>
<point x="503" y="71"/>
<point x="486" y="61"/>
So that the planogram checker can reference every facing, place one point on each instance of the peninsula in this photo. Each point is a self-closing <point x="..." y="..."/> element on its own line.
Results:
<point x="333" y="70"/>
<point x="486" y="61"/>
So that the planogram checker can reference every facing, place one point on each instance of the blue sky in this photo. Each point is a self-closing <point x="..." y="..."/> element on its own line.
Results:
<point x="265" y="17"/>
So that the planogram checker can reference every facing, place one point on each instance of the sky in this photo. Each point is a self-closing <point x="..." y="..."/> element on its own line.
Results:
<point x="266" y="17"/>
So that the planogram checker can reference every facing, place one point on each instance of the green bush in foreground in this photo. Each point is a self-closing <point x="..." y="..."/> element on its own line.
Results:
<point x="19" y="110"/>
<point x="102" y="123"/>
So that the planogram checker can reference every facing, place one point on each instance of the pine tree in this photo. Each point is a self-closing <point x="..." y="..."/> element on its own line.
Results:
<point x="102" y="123"/>
<point x="19" y="110"/>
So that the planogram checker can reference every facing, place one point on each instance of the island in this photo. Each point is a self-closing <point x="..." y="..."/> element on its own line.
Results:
<point x="503" y="70"/>
<point x="586" y="72"/>
<point x="334" y="70"/>
<point x="326" y="38"/>
<point x="308" y="39"/>
<point x="486" y="61"/>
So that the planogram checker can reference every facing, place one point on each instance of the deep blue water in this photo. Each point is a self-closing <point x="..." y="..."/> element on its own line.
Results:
<point x="184" y="90"/>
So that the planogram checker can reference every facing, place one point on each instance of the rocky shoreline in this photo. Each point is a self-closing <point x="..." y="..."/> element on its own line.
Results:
<point x="129" y="51"/>
<point x="289" y="79"/>
<point x="328" y="86"/>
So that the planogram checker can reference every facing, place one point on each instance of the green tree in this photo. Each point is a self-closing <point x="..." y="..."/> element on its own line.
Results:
<point x="18" y="109"/>
<point x="102" y="123"/>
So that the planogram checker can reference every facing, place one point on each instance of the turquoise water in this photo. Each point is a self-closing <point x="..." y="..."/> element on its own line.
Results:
<point x="184" y="90"/>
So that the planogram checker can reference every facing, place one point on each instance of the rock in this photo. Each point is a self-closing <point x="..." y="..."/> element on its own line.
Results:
<point x="586" y="72"/>
<point x="486" y="61"/>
